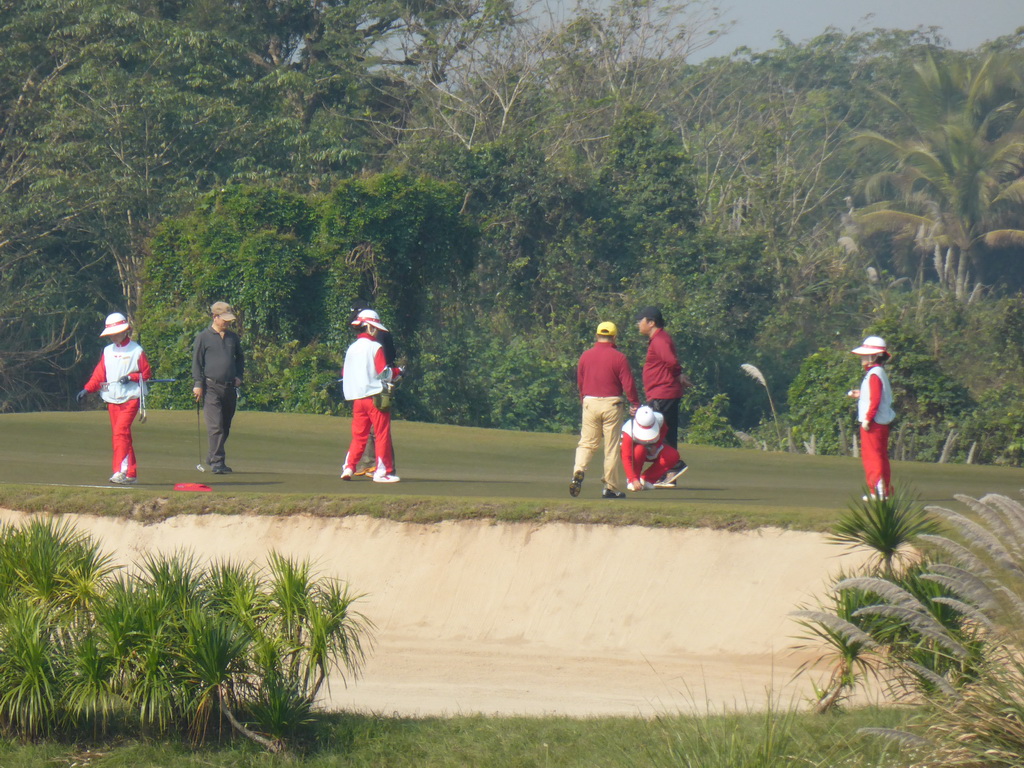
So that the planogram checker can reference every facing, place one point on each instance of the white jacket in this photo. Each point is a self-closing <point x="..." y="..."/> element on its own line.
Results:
<point x="885" y="413"/>
<point x="366" y="370"/>
<point x="119" y="362"/>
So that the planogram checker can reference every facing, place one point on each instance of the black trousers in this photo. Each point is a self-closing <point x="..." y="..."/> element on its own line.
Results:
<point x="219" y="402"/>
<point x="670" y="410"/>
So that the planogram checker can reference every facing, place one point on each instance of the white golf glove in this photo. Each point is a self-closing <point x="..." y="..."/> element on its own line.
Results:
<point x="866" y="425"/>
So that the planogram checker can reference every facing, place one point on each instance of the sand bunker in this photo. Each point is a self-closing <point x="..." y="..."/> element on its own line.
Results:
<point x="540" y="618"/>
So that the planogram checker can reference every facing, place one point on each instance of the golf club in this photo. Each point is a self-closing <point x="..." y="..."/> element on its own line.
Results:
<point x="199" y="439"/>
<point x="142" y="396"/>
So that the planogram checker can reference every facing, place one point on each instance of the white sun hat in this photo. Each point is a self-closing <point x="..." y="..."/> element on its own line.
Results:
<point x="873" y="345"/>
<point x="115" y="323"/>
<point x="646" y="425"/>
<point x="369" y="317"/>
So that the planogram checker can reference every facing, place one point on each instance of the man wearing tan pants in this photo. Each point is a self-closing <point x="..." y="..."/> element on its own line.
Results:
<point x="605" y="382"/>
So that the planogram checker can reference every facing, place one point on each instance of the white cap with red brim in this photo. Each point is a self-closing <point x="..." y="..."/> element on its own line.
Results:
<point x="873" y="345"/>
<point x="115" y="323"/>
<point x="369" y="317"/>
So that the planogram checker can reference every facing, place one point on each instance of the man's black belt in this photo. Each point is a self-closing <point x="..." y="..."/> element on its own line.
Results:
<point x="218" y="381"/>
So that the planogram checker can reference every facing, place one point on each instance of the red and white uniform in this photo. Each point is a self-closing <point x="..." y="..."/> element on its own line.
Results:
<point x="120" y="360"/>
<point x="875" y="407"/>
<point x="637" y="452"/>
<point x="365" y="373"/>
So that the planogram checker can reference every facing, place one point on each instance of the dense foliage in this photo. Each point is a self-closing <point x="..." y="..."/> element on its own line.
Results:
<point x="496" y="182"/>
<point x="169" y="647"/>
<point x="938" y="616"/>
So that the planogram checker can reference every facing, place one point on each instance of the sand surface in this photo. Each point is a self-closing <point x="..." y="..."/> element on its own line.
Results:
<point x="540" y="618"/>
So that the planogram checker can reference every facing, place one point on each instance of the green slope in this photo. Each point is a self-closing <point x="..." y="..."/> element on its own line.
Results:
<point x="286" y="462"/>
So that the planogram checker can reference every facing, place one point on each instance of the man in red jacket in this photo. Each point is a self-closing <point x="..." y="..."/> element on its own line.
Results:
<point x="664" y="380"/>
<point x="604" y="378"/>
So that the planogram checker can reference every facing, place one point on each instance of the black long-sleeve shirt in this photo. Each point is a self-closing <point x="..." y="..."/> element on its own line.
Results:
<point x="218" y="358"/>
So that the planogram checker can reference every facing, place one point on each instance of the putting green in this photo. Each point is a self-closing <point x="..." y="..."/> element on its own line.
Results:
<point x="297" y="454"/>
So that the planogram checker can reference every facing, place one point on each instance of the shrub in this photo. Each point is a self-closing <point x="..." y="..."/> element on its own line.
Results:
<point x="171" y="646"/>
<point x="709" y="424"/>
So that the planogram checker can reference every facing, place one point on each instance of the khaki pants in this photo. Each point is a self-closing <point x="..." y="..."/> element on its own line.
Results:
<point x="602" y="416"/>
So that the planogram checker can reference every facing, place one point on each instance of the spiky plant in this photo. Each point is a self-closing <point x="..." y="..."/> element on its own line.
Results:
<point x="169" y="646"/>
<point x="888" y="526"/>
<point x="31" y="665"/>
<point x="214" y="665"/>
<point x="317" y="620"/>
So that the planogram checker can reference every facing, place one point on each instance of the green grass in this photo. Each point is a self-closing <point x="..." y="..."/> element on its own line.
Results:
<point x="290" y="463"/>
<point x="774" y="740"/>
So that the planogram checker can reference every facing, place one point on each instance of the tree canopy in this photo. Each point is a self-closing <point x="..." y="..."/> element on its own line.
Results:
<point x="496" y="180"/>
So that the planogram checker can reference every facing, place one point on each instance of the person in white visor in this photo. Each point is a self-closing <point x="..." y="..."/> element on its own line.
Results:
<point x="120" y="377"/>
<point x="875" y="413"/>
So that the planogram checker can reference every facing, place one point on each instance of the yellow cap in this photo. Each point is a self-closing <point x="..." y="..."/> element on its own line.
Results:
<point x="607" y="329"/>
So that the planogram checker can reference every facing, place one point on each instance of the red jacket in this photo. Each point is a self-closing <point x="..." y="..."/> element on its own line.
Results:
<point x="662" y="369"/>
<point x="603" y="371"/>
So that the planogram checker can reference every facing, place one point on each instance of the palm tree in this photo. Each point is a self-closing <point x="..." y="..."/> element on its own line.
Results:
<point x="953" y="188"/>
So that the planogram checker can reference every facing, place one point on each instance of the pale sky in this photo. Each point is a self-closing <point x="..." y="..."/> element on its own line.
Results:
<point x="965" y="23"/>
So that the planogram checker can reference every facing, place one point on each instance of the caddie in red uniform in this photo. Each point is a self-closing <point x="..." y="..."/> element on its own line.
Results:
<point x="365" y="373"/>
<point x="875" y="413"/>
<point x="643" y="441"/>
<point x="120" y="378"/>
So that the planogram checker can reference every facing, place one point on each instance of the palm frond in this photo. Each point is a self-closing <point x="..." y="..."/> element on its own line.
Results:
<point x="891" y="220"/>
<point x="1004" y="238"/>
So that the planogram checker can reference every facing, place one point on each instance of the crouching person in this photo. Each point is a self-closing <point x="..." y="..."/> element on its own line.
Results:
<point x="643" y="441"/>
<point x="365" y="376"/>
<point x="120" y="378"/>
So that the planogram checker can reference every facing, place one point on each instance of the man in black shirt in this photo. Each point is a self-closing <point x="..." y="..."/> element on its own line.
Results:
<point x="217" y="368"/>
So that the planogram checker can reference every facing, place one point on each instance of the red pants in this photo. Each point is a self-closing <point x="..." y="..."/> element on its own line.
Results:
<point x="659" y="467"/>
<point x="874" y="453"/>
<point x="365" y="413"/>
<point x="121" y="417"/>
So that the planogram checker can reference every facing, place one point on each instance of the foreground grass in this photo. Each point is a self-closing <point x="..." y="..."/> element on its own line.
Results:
<point x="285" y="464"/>
<point x="767" y="740"/>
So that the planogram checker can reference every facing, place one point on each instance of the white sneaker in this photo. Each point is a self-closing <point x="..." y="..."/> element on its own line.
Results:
<point x="386" y="478"/>
<point x="120" y="478"/>
<point x="346" y="473"/>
